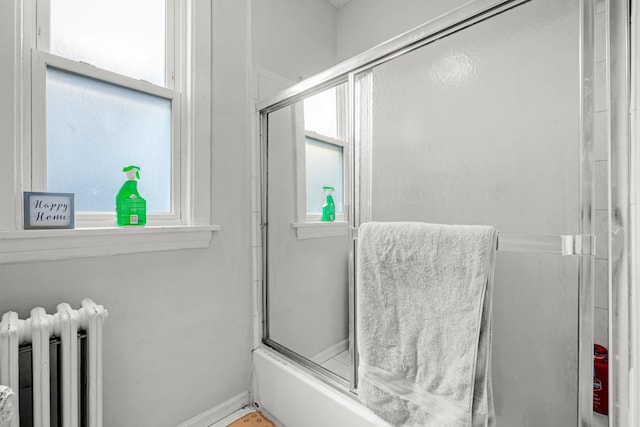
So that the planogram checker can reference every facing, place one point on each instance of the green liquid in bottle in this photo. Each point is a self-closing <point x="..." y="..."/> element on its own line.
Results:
<point x="329" y="208"/>
<point x="131" y="208"/>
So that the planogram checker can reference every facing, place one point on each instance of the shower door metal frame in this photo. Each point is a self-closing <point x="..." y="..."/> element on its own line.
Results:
<point x="458" y="19"/>
<point x="623" y="221"/>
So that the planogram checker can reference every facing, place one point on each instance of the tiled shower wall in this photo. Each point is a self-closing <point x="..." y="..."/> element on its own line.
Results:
<point x="600" y="164"/>
<point x="601" y="184"/>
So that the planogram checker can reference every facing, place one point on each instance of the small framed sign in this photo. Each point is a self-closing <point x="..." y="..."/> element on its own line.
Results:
<point x="48" y="210"/>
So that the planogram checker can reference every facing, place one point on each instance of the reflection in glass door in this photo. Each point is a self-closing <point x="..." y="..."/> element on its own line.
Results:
<point x="307" y="258"/>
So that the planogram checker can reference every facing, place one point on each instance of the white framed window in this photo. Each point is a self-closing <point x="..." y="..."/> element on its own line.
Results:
<point x="321" y="149"/>
<point x="321" y="161"/>
<point x="108" y="80"/>
<point x="324" y="167"/>
<point x="101" y="51"/>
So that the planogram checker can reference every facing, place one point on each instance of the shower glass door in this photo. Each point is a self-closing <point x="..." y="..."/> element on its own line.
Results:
<point x="479" y="117"/>
<point x="307" y="259"/>
<point x="483" y="127"/>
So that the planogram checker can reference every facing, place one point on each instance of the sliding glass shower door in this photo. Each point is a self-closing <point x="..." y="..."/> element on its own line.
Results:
<point x="483" y="127"/>
<point x="307" y="310"/>
<point x="480" y="117"/>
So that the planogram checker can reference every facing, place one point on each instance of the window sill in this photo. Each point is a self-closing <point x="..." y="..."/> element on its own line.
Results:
<point x="48" y="245"/>
<point x="314" y="230"/>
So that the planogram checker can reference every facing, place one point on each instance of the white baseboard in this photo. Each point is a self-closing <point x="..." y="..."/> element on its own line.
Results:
<point x="327" y="354"/>
<point x="217" y="413"/>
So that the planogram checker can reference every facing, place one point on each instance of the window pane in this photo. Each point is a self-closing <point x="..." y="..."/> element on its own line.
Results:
<point x="320" y="113"/>
<point x="127" y="37"/>
<point x="94" y="129"/>
<point x="324" y="163"/>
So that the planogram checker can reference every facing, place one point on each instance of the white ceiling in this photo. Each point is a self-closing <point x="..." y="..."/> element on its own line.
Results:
<point x="338" y="3"/>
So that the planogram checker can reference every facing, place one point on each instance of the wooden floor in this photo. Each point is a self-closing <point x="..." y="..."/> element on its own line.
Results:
<point x="245" y="417"/>
<point x="252" y="419"/>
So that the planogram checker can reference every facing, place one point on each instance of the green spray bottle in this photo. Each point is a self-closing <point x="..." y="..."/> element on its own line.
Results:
<point x="329" y="208"/>
<point x="131" y="208"/>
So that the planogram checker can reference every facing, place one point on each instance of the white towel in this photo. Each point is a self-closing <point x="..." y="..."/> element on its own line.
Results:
<point x="424" y="323"/>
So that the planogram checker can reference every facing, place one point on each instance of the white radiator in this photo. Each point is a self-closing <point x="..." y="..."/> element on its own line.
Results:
<point x="38" y="330"/>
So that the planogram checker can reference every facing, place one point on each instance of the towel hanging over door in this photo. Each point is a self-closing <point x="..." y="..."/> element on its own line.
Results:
<point x="424" y="323"/>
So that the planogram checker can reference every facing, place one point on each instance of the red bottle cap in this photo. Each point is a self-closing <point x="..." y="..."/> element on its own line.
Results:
<point x="599" y="353"/>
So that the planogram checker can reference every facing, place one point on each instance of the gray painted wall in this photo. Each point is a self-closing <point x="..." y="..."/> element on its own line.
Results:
<point x="294" y="39"/>
<point x="178" y="336"/>
<point x="363" y="24"/>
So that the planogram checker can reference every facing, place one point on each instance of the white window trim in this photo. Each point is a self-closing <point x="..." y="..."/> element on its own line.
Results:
<point x="194" y="229"/>
<point x="319" y="229"/>
<point x="51" y="245"/>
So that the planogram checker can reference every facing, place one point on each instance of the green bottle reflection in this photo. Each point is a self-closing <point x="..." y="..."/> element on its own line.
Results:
<point x="329" y="208"/>
<point x="131" y="208"/>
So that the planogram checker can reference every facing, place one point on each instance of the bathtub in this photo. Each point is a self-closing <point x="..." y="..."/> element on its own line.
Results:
<point x="294" y="398"/>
